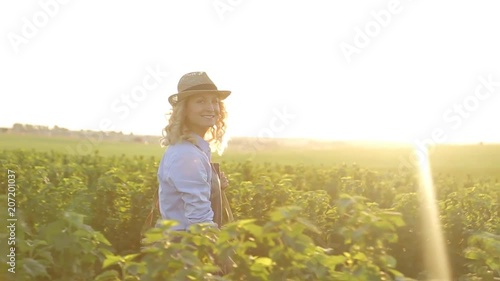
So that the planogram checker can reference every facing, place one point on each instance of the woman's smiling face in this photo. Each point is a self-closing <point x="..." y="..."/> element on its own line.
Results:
<point x="202" y="112"/>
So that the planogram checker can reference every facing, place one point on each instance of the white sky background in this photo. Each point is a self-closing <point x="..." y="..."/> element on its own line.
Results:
<point x="277" y="57"/>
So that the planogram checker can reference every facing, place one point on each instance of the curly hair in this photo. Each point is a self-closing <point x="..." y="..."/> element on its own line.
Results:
<point x="177" y="129"/>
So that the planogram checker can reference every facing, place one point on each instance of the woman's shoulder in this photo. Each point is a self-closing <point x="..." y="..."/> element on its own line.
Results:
<point x="183" y="148"/>
<point x="181" y="155"/>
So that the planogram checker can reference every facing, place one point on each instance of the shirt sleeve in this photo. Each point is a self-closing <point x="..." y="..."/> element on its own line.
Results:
<point x="190" y="177"/>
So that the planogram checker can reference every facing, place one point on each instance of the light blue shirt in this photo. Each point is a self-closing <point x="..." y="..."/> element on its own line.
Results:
<point x="184" y="175"/>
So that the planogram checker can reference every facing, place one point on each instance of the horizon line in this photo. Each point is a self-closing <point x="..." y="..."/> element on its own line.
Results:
<point x="230" y="137"/>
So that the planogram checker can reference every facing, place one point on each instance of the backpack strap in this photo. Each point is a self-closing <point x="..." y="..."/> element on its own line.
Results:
<point x="215" y="195"/>
<point x="226" y="212"/>
<point x="155" y="208"/>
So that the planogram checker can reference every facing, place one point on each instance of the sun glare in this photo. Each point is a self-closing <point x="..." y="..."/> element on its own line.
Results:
<point x="436" y="258"/>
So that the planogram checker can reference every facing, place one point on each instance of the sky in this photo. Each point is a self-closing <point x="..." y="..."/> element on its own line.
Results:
<point x="399" y="71"/>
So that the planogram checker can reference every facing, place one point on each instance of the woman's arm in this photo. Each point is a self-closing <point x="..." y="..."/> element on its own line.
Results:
<point x="190" y="176"/>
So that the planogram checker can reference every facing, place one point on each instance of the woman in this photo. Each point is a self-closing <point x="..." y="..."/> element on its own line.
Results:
<point x="190" y="191"/>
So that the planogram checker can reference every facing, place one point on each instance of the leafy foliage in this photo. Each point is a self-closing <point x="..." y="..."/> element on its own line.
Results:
<point x="293" y="223"/>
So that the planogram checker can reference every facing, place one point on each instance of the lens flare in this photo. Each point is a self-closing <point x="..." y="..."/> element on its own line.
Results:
<point x="436" y="258"/>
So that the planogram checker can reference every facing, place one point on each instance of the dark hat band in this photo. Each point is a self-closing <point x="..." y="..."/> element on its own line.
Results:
<point x="210" y="87"/>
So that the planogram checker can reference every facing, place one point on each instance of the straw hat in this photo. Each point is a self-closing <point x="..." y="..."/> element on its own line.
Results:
<point x="195" y="83"/>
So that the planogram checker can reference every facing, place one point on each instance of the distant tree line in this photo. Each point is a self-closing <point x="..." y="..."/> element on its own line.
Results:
<point x="42" y="130"/>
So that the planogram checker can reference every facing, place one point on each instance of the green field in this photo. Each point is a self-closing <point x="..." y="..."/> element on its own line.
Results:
<point x="84" y="207"/>
<point x="457" y="160"/>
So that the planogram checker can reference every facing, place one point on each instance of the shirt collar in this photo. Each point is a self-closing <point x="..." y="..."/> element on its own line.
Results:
<point x="202" y="144"/>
